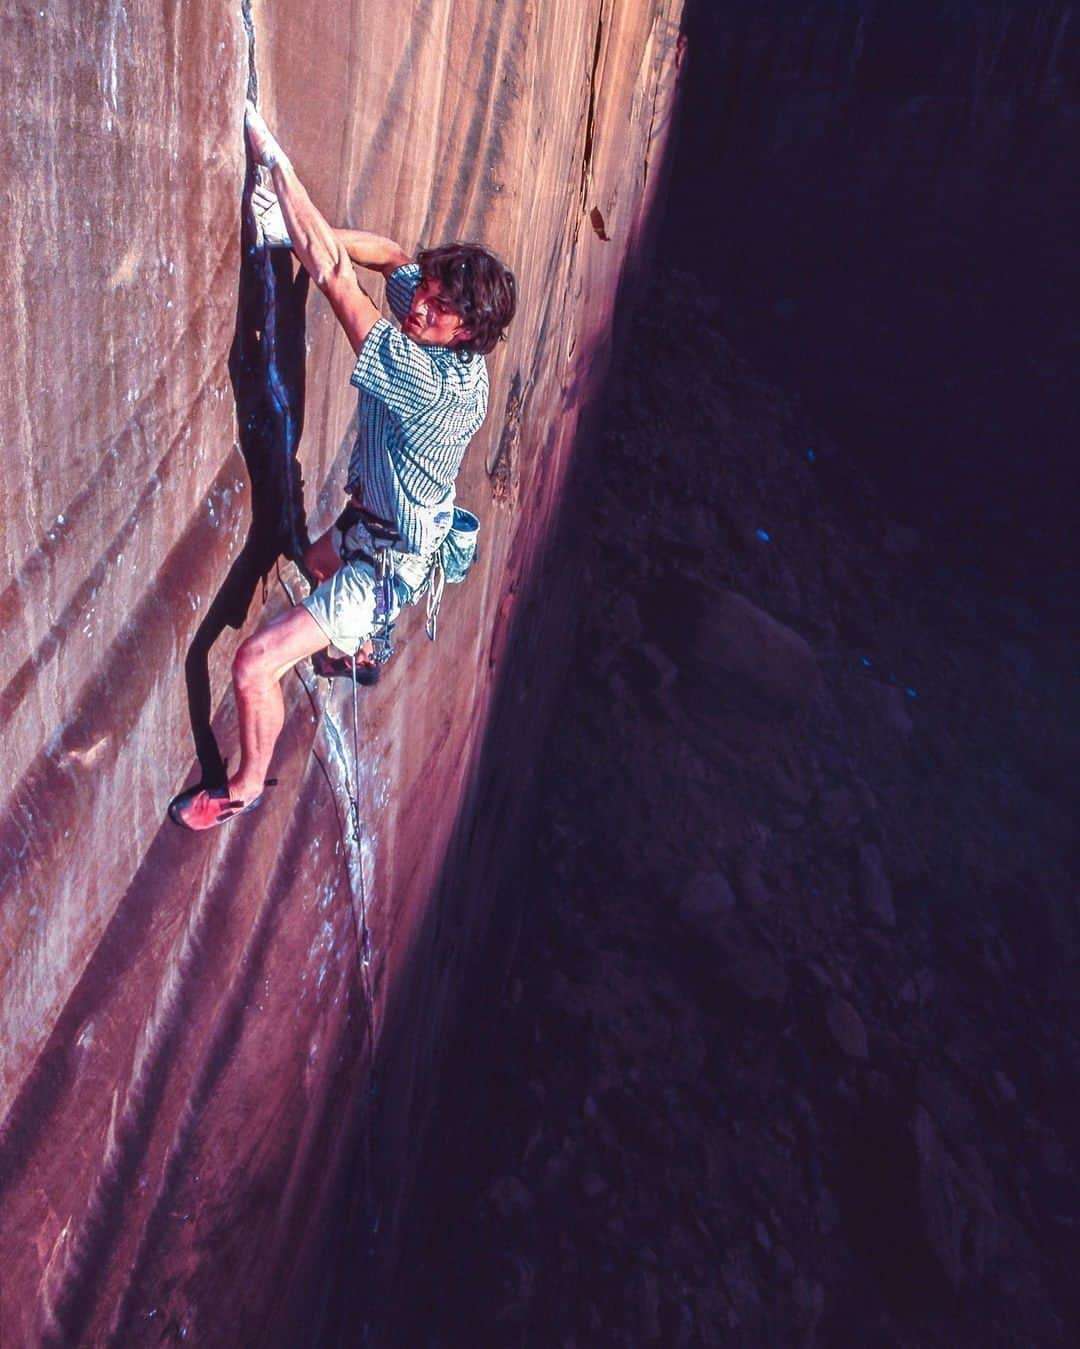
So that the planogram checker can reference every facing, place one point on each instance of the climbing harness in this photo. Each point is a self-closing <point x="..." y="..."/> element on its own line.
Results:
<point x="380" y="557"/>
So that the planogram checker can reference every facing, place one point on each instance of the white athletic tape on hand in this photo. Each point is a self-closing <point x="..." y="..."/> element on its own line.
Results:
<point x="273" y="232"/>
<point x="264" y="144"/>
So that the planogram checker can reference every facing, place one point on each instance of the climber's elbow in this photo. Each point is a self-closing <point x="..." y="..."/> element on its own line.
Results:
<point x="330" y="266"/>
<point x="354" y="308"/>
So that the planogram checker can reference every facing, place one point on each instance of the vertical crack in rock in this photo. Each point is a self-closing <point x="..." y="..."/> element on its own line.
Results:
<point x="358" y="842"/>
<point x="590" y="118"/>
<point x="283" y="369"/>
<point x="671" y="45"/>
<point x="267" y="372"/>
<point x="253" y="72"/>
<point x="359" y="845"/>
<point x="268" y="375"/>
<point x="344" y="783"/>
<point x="504" y="471"/>
<point x="282" y="398"/>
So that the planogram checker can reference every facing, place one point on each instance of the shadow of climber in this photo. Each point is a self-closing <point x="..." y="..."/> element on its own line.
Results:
<point x="266" y="367"/>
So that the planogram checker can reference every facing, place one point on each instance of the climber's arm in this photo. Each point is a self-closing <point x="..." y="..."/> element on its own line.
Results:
<point x="372" y="250"/>
<point x="365" y="249"/>
<point x="316" y="245"/>
<point x="313" y="240"/>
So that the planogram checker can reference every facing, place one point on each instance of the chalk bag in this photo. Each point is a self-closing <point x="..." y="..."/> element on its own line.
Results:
<point x="458" y="551"/>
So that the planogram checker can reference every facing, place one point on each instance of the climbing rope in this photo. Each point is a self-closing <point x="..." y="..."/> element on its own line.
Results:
<point x="364" y="937"/>
<point x="361" y="932"/>
<point x="357" y="888"/>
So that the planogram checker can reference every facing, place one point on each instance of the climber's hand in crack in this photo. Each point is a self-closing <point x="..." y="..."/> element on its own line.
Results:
<point x="269" y="222"/>
<point x="263" y="142"/>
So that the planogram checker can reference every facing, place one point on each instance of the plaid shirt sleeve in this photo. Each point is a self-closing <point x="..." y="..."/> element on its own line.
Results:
<point x="400" y="288"/>
<point x="400" y="373"/>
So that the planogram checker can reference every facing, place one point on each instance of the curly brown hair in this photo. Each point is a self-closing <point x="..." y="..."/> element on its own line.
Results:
<point x="478" y="286"/>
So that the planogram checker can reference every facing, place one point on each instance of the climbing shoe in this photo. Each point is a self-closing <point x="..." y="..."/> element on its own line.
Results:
<point x="201" y="808"/>
<point x="341" y="667"/>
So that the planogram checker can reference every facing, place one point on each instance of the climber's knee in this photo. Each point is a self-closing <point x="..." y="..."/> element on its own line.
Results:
<point x="268" y="653"/>
<point x="250" y="668"/>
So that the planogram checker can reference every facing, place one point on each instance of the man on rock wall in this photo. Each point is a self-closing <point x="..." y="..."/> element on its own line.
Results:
<point x="423" y="396"/>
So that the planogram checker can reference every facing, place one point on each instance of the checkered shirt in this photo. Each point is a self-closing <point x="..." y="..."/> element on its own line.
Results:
<point x="419" y="408"/>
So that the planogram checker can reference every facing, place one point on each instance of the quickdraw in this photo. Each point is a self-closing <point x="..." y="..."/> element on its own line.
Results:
<point x="382" y="645"/>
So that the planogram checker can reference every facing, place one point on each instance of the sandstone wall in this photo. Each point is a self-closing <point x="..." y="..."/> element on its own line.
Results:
<point x="186" y="1027"/>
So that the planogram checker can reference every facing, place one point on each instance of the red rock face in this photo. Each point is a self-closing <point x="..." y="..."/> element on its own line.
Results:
<point x="187" y="1029"/>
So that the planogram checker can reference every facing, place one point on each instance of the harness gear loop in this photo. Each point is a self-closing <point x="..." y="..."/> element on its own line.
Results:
<point x="381" y="642"/>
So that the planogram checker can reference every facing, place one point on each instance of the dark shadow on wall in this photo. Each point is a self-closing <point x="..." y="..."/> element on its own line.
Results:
<point x="353" y="1288"/>
<point x="266" y="368"/>
<point x="888" y="216"/>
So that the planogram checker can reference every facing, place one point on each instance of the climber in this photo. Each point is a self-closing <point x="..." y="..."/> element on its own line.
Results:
<point x="423" y="396"/>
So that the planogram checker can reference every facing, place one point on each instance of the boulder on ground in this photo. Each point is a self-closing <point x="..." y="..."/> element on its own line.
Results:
<point x="751" y="884"/>
<point x="737" y="641"/>
<point x="707" y="903"/>
<point x="875" y="890"/>
<point x="759" y="982"/>
<point x="957" y="1217"/>
<point x="846" y="1028"/>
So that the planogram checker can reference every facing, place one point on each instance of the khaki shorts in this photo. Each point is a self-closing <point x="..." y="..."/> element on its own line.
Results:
<point x="344" y="606"/>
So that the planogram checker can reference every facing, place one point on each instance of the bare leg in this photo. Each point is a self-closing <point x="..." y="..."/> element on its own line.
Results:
<point x="260" y="663"/>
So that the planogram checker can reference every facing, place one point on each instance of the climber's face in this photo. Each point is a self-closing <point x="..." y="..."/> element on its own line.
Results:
<point x="431" y="321"/>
